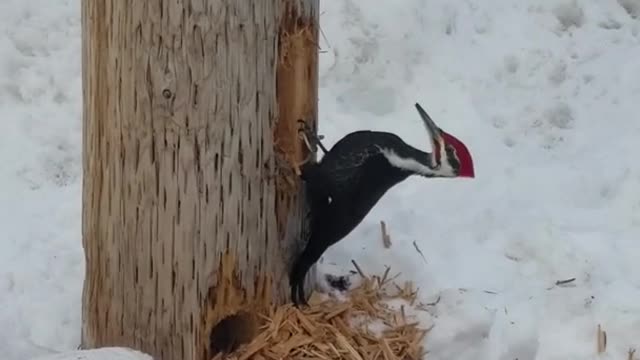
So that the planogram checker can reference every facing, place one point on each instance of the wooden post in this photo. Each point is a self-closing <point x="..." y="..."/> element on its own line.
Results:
<point x="191" y="210"/>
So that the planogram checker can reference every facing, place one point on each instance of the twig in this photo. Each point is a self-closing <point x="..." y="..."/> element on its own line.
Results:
<point x="423" y="306"/>
<point x="434" y="303"/>
<point x="565" y="282"/>
<point x="561" y="283"/>
<point x="386" y="239"/>
<point x="359" y="269"/>
<point x="324" y="37"/>
<point x="383" y="280"/>
<point x="415" y="245"/>
<point x="632" y="352"/>
<point x="48" y="349"/>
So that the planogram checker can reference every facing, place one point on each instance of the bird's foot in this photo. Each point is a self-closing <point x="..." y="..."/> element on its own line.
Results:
<point x="309" y="137"/>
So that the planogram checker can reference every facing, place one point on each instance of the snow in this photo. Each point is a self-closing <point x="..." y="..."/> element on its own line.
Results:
<point x="107" y="353"/>
<point x="544" y="94"/>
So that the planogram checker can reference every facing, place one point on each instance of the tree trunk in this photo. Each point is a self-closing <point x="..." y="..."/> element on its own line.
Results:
<point x="191" y="210"/>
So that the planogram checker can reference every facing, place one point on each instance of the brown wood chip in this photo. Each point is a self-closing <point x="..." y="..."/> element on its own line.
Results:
<point x="331" y="329"/>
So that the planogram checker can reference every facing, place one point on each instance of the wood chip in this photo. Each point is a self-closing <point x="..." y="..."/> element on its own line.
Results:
<point x="345" y="344"/>
<point x="388" y="353"/>
<point x="306" y="324"/>
<point x="602" y="340"/>
<point x="337" y="312"/>
<point x="334" y="329"/>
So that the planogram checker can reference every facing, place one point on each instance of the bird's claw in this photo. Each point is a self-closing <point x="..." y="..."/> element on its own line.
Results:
<point x="306" y="134"/>
<point x="310" y="138"/>
<point x="306" y="128"/>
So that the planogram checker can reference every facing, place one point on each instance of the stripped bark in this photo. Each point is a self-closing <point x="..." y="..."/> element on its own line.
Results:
<point x="191" y="211"/>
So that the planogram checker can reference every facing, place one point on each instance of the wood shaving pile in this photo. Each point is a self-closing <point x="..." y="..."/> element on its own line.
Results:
<point x="332" y="329"/>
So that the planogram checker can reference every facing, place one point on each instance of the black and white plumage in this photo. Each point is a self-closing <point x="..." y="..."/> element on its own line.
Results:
<point x="352" y="177"/>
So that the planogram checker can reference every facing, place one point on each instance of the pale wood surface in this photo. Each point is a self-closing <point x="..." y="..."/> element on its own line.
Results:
<point x="189" y="110"/>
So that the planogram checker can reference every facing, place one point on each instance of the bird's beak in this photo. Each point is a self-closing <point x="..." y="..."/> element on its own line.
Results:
<point x="435" y="134"/>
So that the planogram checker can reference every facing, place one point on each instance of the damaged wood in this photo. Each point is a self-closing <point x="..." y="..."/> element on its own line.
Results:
<point x="189" y="110"/>
<point x="297" y="97"/>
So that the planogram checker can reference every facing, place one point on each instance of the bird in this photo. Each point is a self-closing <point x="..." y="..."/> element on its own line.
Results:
<point x="351" y="177"/>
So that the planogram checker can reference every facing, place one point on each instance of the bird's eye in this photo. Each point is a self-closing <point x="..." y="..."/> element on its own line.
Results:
<point x="452" y="151"/>
<point x="452" y="156"/>
<point x="450" y="148"/>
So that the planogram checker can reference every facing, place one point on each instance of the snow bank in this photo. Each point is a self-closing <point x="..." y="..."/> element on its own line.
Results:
<point x="544" y="92"/>
<point x="110" y="353"/>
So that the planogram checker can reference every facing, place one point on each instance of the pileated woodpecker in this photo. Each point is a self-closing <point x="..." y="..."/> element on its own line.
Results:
<point x="358" y="170"/>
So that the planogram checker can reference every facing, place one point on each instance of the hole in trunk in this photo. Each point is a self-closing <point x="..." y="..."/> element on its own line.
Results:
<point x="232" y="331"/>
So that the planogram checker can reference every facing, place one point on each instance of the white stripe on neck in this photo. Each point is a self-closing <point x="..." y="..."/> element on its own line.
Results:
<point x="412" y="165"/>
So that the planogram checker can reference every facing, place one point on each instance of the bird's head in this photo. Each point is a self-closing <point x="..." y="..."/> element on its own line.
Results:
<point x="450" y="156"/>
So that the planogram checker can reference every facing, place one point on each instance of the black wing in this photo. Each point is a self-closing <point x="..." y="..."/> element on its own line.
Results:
<point x="345" y="163"/>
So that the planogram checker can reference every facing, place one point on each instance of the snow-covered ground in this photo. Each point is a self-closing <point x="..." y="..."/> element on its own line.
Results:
<point x="544" y="92"/>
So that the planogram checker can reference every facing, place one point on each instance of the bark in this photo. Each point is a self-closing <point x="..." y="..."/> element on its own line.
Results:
<point x="191" y="211"/>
